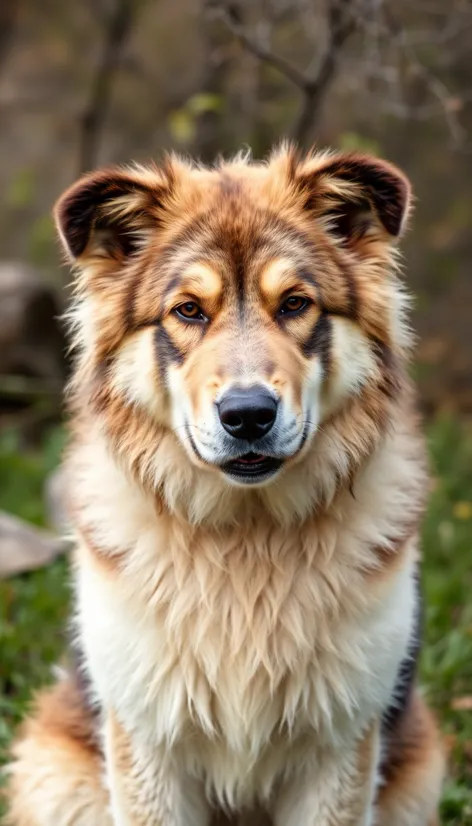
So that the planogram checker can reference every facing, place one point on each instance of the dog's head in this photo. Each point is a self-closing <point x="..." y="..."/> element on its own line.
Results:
<point x="236" y="309"/>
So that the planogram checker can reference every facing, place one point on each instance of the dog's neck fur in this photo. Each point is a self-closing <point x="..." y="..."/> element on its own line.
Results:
<point x="345" y="455"/>
<point x="251" y="602"/>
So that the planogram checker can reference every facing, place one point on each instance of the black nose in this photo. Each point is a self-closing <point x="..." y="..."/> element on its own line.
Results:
<point x="247" y="413"/>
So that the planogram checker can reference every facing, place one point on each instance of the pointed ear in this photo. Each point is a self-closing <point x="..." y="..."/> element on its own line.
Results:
<point x="363" y="196"/>
<point x="108" y="213"/>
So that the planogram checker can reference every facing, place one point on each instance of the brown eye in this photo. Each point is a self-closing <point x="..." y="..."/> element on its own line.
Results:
<point x="293" y="305"/>
<point x="190" y="311"/>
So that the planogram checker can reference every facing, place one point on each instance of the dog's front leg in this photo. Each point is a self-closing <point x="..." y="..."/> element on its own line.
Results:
<point x="146" y="787"/>
<point x="332" y="790"/>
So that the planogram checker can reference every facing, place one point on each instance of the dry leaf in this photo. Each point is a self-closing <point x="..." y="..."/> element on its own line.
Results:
<point x="462" y="703"/>
<point x="23" y="547"/>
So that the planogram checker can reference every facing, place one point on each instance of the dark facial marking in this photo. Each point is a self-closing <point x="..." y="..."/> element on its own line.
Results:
<point x="236" y="238"/>
<point x="239" y="242"/>
<point x="238" y="256"/>
<point x="386" y="359"/>
<point x="352" y="309"/>
<point x="308" y="277"/>
<point x="174" y="282"/>
<point x="99" y="391"/>
<point x="197" y="228"/>
<point x="130" y="302"/>
<point x="291" y="237"/>
<point x="167" y="351"/>
<point x="352" y="296"/>
<point x="319" y="341"/>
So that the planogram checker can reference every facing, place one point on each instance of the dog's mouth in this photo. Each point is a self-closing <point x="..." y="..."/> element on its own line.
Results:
<point x="252" y="467"/>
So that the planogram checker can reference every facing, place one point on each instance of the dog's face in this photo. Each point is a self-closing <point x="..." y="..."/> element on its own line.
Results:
<point x="238" y="308"/>
<point x="244" y="391"/>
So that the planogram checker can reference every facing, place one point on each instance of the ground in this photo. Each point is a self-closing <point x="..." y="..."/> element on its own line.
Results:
<point x="34" y="607"/>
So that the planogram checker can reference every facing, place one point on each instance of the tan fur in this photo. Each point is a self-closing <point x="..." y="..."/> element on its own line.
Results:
<point x="242" y="642"/>
<point x="410" y="788"/>
<point x="66" y="783"/>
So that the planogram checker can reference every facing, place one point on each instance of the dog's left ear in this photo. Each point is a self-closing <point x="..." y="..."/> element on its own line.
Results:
<point x="107" y="214"/>
<point x="364" y="198"/>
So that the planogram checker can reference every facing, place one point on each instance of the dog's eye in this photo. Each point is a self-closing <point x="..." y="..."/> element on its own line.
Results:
<point x="293" y="305"/>
<point x="190" y="311"/>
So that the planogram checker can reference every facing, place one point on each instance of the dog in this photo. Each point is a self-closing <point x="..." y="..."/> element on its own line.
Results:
<point x="246" y="480"/>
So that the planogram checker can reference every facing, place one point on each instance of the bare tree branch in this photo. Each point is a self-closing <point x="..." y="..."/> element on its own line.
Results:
<point x="230" y="17"/>
<point x="218" y="60"/>
<point x="382" y="32"/>
<point x="118" y="27"/>
<point x="8" y="17"/>
<point x="437" y="88"/>
<point x="342" y="22"/>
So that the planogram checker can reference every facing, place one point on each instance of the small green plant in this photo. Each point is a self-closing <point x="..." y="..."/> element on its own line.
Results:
<point x="182" y="123"/>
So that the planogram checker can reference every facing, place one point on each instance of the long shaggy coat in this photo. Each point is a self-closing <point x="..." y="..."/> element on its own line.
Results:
<point x="246" y="572"/>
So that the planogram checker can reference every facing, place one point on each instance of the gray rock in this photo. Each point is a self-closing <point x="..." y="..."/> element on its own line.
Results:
<point x="31" y="338"/>
<point x="23" y="547"/>
<point x="55" y="501"/>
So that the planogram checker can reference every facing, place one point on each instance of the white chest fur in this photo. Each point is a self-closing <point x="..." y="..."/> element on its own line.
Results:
<point x="235" y="648"/>
<point x="220" y="680"/>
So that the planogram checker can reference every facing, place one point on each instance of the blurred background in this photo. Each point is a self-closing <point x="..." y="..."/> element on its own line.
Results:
<point x="85" y="83"/>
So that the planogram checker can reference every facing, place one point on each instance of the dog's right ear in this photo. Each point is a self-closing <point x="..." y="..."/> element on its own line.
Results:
<point x="110" y="214"/>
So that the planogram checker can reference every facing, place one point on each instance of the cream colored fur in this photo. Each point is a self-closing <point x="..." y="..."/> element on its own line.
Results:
<point x="226" y="646"/>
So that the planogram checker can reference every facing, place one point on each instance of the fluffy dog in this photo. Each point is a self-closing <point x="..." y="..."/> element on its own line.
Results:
<point x="246" y="482"/>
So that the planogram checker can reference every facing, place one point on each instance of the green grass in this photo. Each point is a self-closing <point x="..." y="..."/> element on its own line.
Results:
<point x="33" y="607"/>
<point x="447" y="655"/>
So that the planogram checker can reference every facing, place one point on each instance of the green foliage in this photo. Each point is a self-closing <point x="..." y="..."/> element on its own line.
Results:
<point x="182" y="122"/>
<point x="33" y="607"/>
<point x="352" y="142"/>
<point x="33" y="620"/>
<point x="22" y="189"/>
<point x="23" y="474"/>
<point x="42" y="241"/>
<point x="447" y="656"/>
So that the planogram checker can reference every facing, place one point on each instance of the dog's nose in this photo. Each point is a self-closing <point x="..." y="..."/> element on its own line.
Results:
<point x="247" y="413"/>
